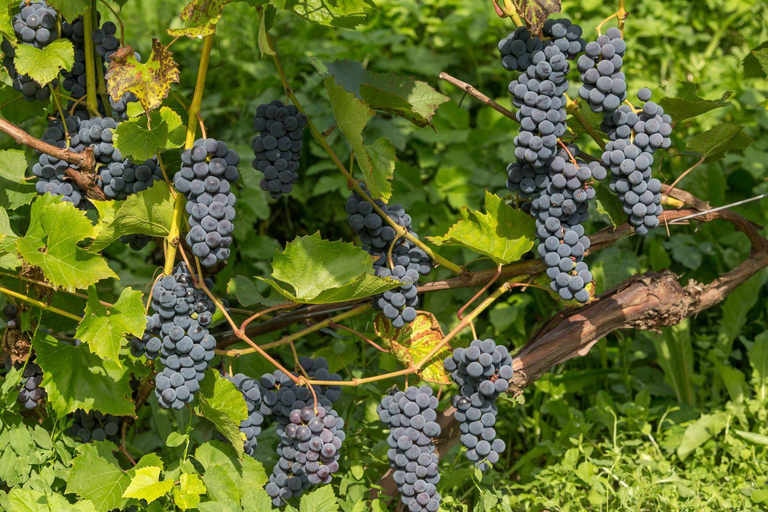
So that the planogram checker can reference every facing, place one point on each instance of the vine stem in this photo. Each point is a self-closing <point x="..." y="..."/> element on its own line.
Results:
<point x="40" y="304"/>
<point x="174" y="233"/>
<point x="573" y="108"/>
<point x="472" y="91"/>
<point x="49" y="285"/>
<point x="687" y="171"/>
<point x="324" y="144"/>
<point x="299" y="334"/>
<point x="84" y="160"/>
<point x="511" y="11"/>
<point x="621" y="14"/>
<point x="90" y="61"/>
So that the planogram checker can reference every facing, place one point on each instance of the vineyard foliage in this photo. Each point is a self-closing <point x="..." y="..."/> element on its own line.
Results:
<point x="209" y="308"/>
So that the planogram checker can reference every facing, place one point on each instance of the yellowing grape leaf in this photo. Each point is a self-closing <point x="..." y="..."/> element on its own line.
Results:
<point x="503" y="234"/>
<point x="51" y="243"/>
<point x="187" y="495"/>
<point x="150" y="81"/>
<point x="200" y="18"/>
<point x="316" y="271"/>
<point x="415" y="341"/>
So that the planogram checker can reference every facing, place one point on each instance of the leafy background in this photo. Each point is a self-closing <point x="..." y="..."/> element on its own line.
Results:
<point x="668" y="420"/>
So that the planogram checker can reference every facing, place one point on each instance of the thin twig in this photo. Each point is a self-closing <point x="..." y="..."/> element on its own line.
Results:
<point x="469" y="89"/>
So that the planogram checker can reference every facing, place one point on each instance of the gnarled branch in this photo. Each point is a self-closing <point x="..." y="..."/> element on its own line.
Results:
<point x="84" y="160"/>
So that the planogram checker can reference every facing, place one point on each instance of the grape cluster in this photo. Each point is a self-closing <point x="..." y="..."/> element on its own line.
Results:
<point x="280" y="395"/>
<point x="278" y="146"/>
<point x="411" y="417"/>
<point x="539" y="94"/>
<point x="482" y="372"/>
<point x="604" y="86"/>
<point x="75" y="80"/>
<point x="409" y="262"/>
<point x="135" y="241"/>
<point x="187" y="348"/>
<point x="309" y="452"/>
<point x="123" y="178"/>
<point x="50" y="171"/>
<point x="30" y="391"/>
<point x="251" y="426"/>
<point x="105" y="40"/>
<point x="517" y="48"/>
<point x="150" y="344"/>
<point x="564" y="34"/>
<point x="120" y="107"/>
<point x="559" y="211"/>
<point x="635" y="136"/>
<point x="208" y="170"/>
<point x="34" y="25"/>
<point x="96" y="133"/>
<point x="95" y="426"/>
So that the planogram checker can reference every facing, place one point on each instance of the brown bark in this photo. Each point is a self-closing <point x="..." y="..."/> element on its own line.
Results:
<point x="82" y="160"/>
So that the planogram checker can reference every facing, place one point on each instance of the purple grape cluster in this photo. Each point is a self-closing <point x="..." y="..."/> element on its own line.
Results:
<point x="151" y="343"/>
<point x="34" y="25"/>
<point x="540" y="96"/>
<point x="135" y="241"/>
<point x="97" y="133"/>
<point x="409" y="262"/>
<point x="121" y="179"/>
<point x="517" y="48"/>
<point x="278" y="146"/>
<point x="564" y="34"/>
<point x="280" y="395"/>
<point x="75" y="80"/>
<point x="95" y="426"/>
<point x="105" y="40"/>
<point x="208" y="171"/>
<point x="50" y="171"/>
<point x="559" y="211"/>
<point x="187" y="349"/>
<point x="482" y="371"/>
<point x="635" y="136"/>
<point x="251" y="426"/>
<point x="604" y="85"/>
<point x="411" y="417"/>
<point x="309" y="452"/>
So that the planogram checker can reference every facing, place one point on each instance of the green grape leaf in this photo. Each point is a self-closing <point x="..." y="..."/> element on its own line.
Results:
<point x="536" y="12"/>
<point x="95" y="475"/>
<point x="402" y="96"/>
<point x="685" y="103"/>
<point x="9" y="257"/>
<point x="51" y="243"/>
<point x="608" y="204"/>
<point x="247" y="294"/>
<point x="200" y="18"/>
<point x="104" y="328"/>
<point x="338" y="13"/>
<point x="714" y="143"/>
<point x="755" y="64"/>
<point x="321" y="499"/>
<point x="701" y="431"/>
<point x="30" y="500"/>
<point x="226" y="476"/>
<point x="149" y="212"/>
<point x="146" y="485"/>
<point x="15" y="191"/>
<point x="6" y="19"/>
<point x="187" y="495"/>
<point x="70" y="9"/>
<point x="140" y="138"/>
<point x="74" y="378"/>
<point x="414" y="341"/>
<point x="224" y="406"/>
<point x="150" y="81"/>
<point x="503" y="233"/>
<point x="351" y="116"/>
<point x="44" y="65"/>
<point x="263" y="37"/>
<point x="16" y="109"/>
<point x="316" y="271"/>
